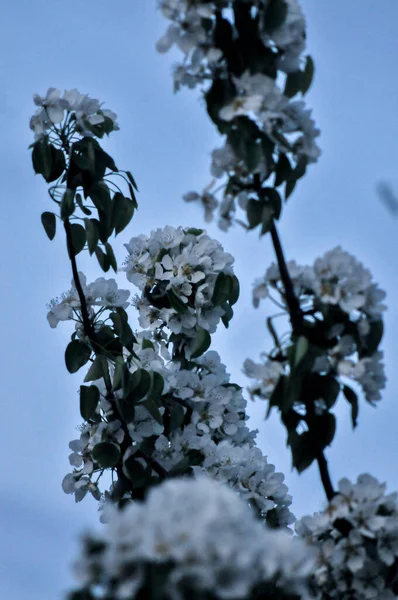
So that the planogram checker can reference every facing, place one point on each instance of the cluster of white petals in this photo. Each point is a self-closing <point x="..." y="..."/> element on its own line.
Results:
<point x="189" y="538"/>
<point x="336" y="282"/>
<point x="86" y="112"/>
<point x="357" y="541"/>
<point x="259" y="96"/>
<point x="102" y="292"/>
<point x="176" y="270"/>
<point x="192" y="32"/>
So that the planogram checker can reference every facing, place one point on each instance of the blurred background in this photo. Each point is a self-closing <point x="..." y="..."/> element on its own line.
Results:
<point x="108" y="50"/>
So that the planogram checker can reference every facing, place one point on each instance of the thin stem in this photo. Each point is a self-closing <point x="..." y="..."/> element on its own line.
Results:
<point x="87" y="325"/>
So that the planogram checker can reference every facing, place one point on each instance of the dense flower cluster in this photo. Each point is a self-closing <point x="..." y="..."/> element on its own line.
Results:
<point x="102" y="292"/>
<point x="193" y="27"/>
<point x="338" y="294"/>
<point x="85" y="112"/>
<point x="177" y="270"/>
<point x="357" y="538"/>
<point x="259" y="117"/>
<point x="188" y="539"/>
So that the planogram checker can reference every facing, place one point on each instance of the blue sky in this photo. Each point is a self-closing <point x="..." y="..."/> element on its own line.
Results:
<point x="107" y="50"/>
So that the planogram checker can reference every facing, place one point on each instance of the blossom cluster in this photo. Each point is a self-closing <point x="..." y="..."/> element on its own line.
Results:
<point x="188" y="539"/>
<point x="102" y="293"/>
<point x="260" y="119"/>
<point x="357" y="541"/>
<point x="177" y="270"/>
<point x="193" y="27"/>
<point x="84" y="111"/>
<point x="338" y="294"/>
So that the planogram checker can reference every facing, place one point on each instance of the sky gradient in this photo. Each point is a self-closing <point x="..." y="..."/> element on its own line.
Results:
<point x="108" y="50"/>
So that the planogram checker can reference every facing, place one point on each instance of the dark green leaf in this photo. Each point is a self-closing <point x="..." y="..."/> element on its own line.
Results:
<point x="111" y="256"/>
<point x="67" y="204"/>
<point x="157" y="387"/>
<point x="123" y="210"/>
<point x="234" y="294"/>
<point x="324" y="429"/>
<point x="176" y="302"/>
<point x="254" y="210"/>
<point x="194" y="231"/>
<point x="97" y="370"/>
<point x="303" y="450"/>
<point x="78" y="234"/>
<point x="92" y="234"/>
<point x="136" y="471"/>
<point x="42" y="158"/>
<point x="49" y="223"/>
<point x="275" y="15"/>
<point x="267" y="218"/>
<point x="275" y="200"/>
<point x="181" y="468"/>
<point x="222" y="289"/>
<point x="79" y="201"/>
<point x="294" y="84"/>
<point x="89" y="398"/>
<point x="283" y="170"/>
<point x="147" y="344"/>
<point x="352" y="398"/>
<point x="76" y="355"/>
<point x="106" y="454"/>
<point x="308" y="75"/>
<point x="371" y="341"/>
<point x="300" y="350"/>
<point x="102" y="259"/>
<point x="228" y="314"/>
<point x="290" y="185"/>
<point x="132" y="180"/>
<point x="140" y="384"/>
<point x="201" y="342"/>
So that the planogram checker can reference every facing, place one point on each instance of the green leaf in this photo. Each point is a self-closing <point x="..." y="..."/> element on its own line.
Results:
<point x="106" y="454"/>
<point x="193" y="231"/>
<point x="89" y="398"/>
<point x="101" y="197"/>
<point x="303" y="450"/>
<point x="58" y="164"/>
<point x="92" y="234"/>
<point x="78" y="234"/>
<point x="283" y="170"/>
<point x="324" y="429"/>
<point x="76" y="355"/>
<point x="97" y="370"/>
<point x="222" y="289"/>
<point x="371" y="342"/>
<point x="140" y="384"/>
<point x="49" y="223"/>
<point x="228" y="314"/>
<point x="111" y="256"/>
<point x="136" y="471"/>
<point x="308" y="75"/>
<point x="157" y="387"/>
<point x="147" y="344"/>
<point x="267" y="218"/>
<point x="275" y="15"/>
<point x="118" y="375"/>
<point x="181" y="468"/>
<point x="42" y="158"/>
<point x="275" y="201"/>
<point x="290" y="185"/>
<point x="294" y="84"/>
<point x="352" y="398"/>
<point x="132" y="180"/>
<point x="83" y="208"/>
<point x="254" y="211"/>
<point x="176" y="302"/>
<point x="67" y="204"/>
<point x="201" y="342"/>
<point x="103" y="259"/>
<point x="122" y="212"/>
<point x="234" y="294"/>
<point x="301" y="349"/>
